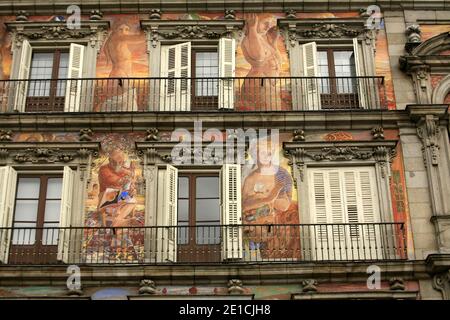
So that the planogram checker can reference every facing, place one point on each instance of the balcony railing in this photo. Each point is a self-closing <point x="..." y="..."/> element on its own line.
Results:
<point x="216" y="244"/>
<point x="193" y="94"/>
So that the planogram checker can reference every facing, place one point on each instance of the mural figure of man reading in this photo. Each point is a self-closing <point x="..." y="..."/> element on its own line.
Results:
<point x="117" y="189"/>
<point x="259" y="47"/>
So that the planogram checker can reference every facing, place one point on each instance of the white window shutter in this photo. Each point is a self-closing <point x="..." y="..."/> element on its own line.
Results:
<point x="345" y="195"/>
<point x="170" y="211"/>
<point x="21" y="87"/>
<point x="361" y="83"/>
<point x="65" y="215"/>
<point x="8" y="181"/>
<point x="231" y="211"/>
<point x="311" y="89"/>
<point x="227" y="48"/>
<point x="73" y="87"/>
<point x="175" y="94"/>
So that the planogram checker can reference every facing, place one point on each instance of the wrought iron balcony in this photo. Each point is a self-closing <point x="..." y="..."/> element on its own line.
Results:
<point x="193" y="94"/>
<point x="213" y="244"/>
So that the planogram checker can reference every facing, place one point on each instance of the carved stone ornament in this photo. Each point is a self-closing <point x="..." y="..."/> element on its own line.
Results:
<point x="158" y="30"/>
<point x="330" y="30"/>
<point x="378" y="133"/>
<point x="86" y="134"/>
<point x="235" y="287"/>
<point x="299" y="135"/>
<point x="429" y="132"/>
<point x="291" y="14"/>
<point x="152" y="155"/>
<point x="309" y="285"/>
<point x="47" y="153"/>
<point x="22" y="15"/>
<point x="413" y="33"/>
<point x="441" y="282"/>
<point x="301" y="153"/>
<point x="397" y="284"/>
<point x="152" y="135"/>
<point x="5" y="135"/>
<point x="230" y="15"/>
<point x="155" y="14"/>
<point x="90" y="31"/>
<point x="96" y="15"/>
<point x="147" y="286"/>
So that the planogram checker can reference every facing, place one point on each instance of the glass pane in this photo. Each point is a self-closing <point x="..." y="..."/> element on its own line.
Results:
<point x="51" y="233"/>
<point x="208" y="234"/>
<point x="183" y="210"/>
<point x="52" y="210"/>
<point x="207" y="210"/>
<point x="62" y="74"/>
<point x="206" y="66"/>
<point x="345" y="67"/>
<point x="183" y="233"/>
<point x="23" y="235"/>
<point x="324" y="84"/>
<point x="28" y="188"/>
<point x="207" y="187"/>
<point x="54" y="188"/>
<point x="41" y="68"/>
<point x="26" y="210"/>
<point x="183" y="187"/>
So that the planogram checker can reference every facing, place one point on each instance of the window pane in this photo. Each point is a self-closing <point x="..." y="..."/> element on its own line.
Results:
<point x="183" y="187"/>
<point x="207" y="234"/>
<point x="207" y="187"/>
<point x="183" y="233"/>
<point x="28" y="188"/>
<point x="26" y="210"/>
<point x="183" y="210"/>
<point x="41" y="68"/>
<point x="23" y="234"/>
<point x="324" y="84"/>
<point x="54" y="188"/>
<point x="52" y="210"/>
<point x="345" y="67"/>
<point x="207" y="210"/>
<point x="50" y="235"/>
<point x="62" y="73"/>
<point x="206" y="66"/>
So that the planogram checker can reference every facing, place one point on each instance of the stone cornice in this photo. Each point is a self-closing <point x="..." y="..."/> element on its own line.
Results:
<point x="345" y="120"/>
<point x="47" y="152"/>
<point x="143" y="6"/>
<point x="418" y="112"/>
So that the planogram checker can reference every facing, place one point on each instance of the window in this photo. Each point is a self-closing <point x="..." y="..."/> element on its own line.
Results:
<point x="199" y="208"/>
<point x="192" y="206"/>
<point x="38" y="87"/>
<point x="37" y="211"/>
<point x="48" y="94"/>
<point x="343" y="203"/>
<point x="205" y="68"/>
<point x="192" y="78"/>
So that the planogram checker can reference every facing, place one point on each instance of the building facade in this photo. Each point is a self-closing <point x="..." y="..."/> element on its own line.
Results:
<point x="294" y="150"/>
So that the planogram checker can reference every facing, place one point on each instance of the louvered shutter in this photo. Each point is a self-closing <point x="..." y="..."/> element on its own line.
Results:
<point x="175" y="89"/>
<point x="8" y="180"/>
<point x="21" y="87"/>
<point x="73" y="87"/>
<point x="310" y="87"/>
<point x="231" y="211"/>
<point x="170" y="211"/>
<point x="362" y="84"/>
<point x="65" y="233"/>
<point x="227" y="48"/>
<point x="344" y="196"/>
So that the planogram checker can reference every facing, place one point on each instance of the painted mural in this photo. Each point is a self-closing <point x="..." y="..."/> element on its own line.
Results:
<point x="269" y="197"/>
<point x="115" y="199"/>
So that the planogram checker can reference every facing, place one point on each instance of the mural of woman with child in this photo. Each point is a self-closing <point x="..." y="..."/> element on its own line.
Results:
<point x="268" y="199"/>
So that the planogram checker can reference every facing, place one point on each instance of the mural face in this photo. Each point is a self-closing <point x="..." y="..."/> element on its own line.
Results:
<point x="269" y="197"/>
<point x="115" y="199"/>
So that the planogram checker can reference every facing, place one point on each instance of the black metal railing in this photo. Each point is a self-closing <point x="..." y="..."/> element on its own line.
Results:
<point x="192" y="94"/>
<point x="215" y="244"/>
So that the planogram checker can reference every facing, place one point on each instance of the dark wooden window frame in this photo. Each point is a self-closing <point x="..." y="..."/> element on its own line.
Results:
<point x="202" y="102"/>
<point x="35" y="253"/>
<point x="334" y="99"/>
<point x="52" y="102"/>
<point x="192" y="251"/>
